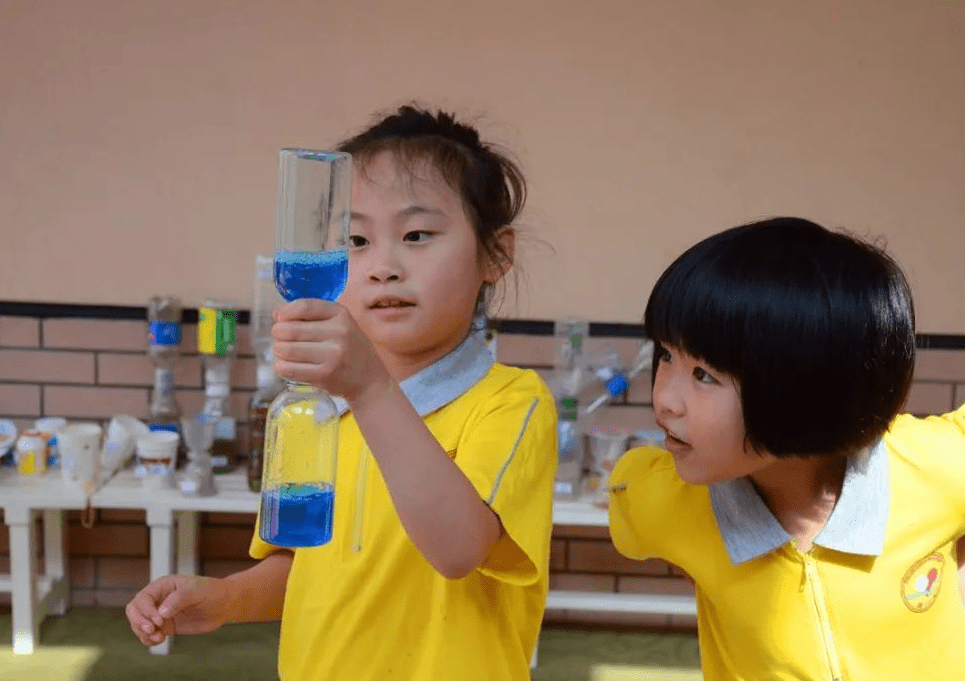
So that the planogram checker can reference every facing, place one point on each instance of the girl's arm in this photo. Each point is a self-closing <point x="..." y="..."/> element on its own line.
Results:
<point x="191" y="604"/>
<point x="259" y="592"/>
<point x="438" y="506"/>
<point x="318" y="342"/>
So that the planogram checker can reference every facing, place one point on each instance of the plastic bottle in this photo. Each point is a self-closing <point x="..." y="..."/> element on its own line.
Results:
<point x="217" y="323"/>
<point x="164" y="342"/>
<point x="164" y="339"/>
<point x="265" y="299"/>
<point x="570" y="374"/>
<point x="576" y="417"/>
<point x="269" y="386"/>
<point x="615" y="382"/>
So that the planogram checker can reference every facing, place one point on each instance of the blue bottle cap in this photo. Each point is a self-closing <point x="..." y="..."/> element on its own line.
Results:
<point x="617" y="385"/>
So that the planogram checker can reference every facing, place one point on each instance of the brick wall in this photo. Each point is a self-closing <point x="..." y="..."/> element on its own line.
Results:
<point x="94" y="368"/>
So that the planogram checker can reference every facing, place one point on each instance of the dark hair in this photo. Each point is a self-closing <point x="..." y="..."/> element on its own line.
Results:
<point x="492" y="187"/>
<point x="817" y="327"/>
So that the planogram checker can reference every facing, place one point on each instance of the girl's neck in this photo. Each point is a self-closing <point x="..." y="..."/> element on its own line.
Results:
<point x="403" y="365"/>
<point x="802" y="493"/>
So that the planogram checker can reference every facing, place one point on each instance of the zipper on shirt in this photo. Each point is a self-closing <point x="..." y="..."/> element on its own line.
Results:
<point x="360" y="486"/>
<point x="813" y="580"/>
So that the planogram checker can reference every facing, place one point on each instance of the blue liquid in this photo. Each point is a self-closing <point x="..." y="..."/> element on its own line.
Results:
<point x="311" y="274"/>
<point x="297" y="515"/>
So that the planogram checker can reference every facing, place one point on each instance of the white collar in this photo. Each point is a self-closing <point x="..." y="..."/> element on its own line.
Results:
<point x="857" y="524"/>
<point x="445" y="379"/>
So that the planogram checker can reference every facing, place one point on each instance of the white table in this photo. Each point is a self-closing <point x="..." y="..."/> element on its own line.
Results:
<point x="33" y="595"/>
<point x="172" y="519"/>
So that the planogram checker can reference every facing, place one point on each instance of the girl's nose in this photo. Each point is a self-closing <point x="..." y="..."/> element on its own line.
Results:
<point x="667" y="400"/>
<point x="384" y="266"/>
<point x="382" y="273"/>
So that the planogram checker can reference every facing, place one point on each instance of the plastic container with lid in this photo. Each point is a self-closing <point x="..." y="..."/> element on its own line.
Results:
<point x="31" y="453"/>
<point x="156" y="453"/>
<point x="49" y="425"/>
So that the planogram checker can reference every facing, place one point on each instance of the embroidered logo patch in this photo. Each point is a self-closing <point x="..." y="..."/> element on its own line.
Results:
<point x="922" y="582"/>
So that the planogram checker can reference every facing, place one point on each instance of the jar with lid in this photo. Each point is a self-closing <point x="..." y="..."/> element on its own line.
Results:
<point x="31" y="453"/>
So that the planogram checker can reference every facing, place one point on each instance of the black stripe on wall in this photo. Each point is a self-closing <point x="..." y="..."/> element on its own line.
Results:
<point x="528" y="327"/>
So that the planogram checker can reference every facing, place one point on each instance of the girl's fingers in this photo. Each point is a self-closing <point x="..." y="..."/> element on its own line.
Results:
<point x="295" y="331"/>
<point x="300" y="373"/>
<point x="307" y="310"/>
<point x="142" y="614"/>
<point x="315" y="353"/>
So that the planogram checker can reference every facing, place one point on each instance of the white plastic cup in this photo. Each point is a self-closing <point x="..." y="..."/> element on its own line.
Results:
<point x="122" y="433"/>
<point x="606" y="448"/>
<point x="79" y="445"/>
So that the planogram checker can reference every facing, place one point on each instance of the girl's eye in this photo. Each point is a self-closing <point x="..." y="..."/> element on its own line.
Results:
<point x="704" y="377"/>
<point x="417" y="235"/>
<point x="664" y="355"/>
<point x="356" y="241"/>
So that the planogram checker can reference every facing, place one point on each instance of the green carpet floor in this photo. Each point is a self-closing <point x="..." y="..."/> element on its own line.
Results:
<point x="96" y="644"/>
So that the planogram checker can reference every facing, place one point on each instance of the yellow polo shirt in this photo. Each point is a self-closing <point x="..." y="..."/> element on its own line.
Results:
<point x="367" y="605"/>
<point x="876" y="598"/>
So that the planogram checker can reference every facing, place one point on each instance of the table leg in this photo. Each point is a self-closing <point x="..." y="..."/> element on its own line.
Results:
<point x="54" y="563"/>
<point x="23" y="575"/>
<point x="187" y="561"/>
<point x="162" y="556"/>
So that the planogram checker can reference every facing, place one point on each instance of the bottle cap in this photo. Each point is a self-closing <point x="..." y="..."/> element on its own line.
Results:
<point x="617" y="385"/>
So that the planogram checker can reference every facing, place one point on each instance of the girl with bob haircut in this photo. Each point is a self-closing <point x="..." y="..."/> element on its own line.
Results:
<point x="821" y="529"/>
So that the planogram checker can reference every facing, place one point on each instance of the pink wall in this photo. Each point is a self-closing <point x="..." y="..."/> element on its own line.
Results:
<point x="138" y="139"/>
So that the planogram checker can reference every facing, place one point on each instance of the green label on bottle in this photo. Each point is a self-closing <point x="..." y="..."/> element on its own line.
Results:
<point x="566" y="408"/>
<point x="216" y="330"/>
<point x="576" y="339"/>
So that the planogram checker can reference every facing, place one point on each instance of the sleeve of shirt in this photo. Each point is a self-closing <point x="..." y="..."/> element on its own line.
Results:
<point x="955" y="423"/>
<point x="509" y="455"/>
<point x="938" y="442"/>
<point x="259" y="548"/>
<point x="639" y="485"/>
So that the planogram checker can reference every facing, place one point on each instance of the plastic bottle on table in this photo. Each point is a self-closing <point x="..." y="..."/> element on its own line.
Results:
<point x="164" y="344"/>
<point x="569" y="378"/>
<point x="615" y="382"/>
<point x="269" y="386"/>
<point x="576" y="418"/>
<point x="265" y="299"/>
<point x="217" y="323"/>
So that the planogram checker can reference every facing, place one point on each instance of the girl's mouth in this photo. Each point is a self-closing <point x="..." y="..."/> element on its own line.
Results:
<point x="672" y="443"/>
<point x="390" y="303"/>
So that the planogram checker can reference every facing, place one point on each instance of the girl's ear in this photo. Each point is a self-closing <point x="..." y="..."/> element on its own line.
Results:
<point x="503" y="255"/>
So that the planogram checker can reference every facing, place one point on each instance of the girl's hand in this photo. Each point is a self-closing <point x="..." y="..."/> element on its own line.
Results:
<point x="317" y="342"/>
<point x="179" y="604"/>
